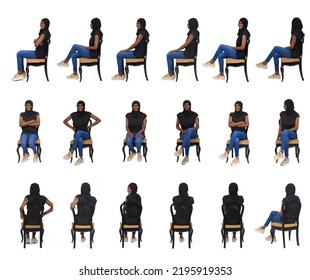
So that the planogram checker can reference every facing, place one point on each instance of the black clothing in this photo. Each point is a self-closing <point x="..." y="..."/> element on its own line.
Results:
<point x="242" y="53"/>
<point x="183" y="205"/>
<point x="132" y="209"/>
<point x="35" y="207"/>
<point x="29" y="116"/>
<point x="141" y="49"/>
<point x="95" y="53"/>
<point x="187" y="120"/>
<point x="80" y="120"/>
<point x="288" y="121"/>
<point x="41" y="51"/>
<point x="135" y="121"/>
<point x="292" y="208"/>
<point x="191" y="49"/>
<point x="297" y="50"/>
<point x="238" y="117"/>
<point x="86" y="209"/>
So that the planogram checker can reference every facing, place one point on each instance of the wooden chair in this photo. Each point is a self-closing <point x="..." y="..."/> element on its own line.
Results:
<point x="186" y="62"/>
<point x="38" y="145"/>
<point x="292" y="62"/>
<point x="238" y="62"/>
<point x="144" y="149"/>
<point x="242" y="144"/>
<point x="137" y="62"/>
<point x="194" y="142"/>
<point x="294" y="143"/>
<point x="179" y="228"/>
<point x="124" y="226"/>
<point x="232" y="221"/>
<point x="86" y="144"/>
<point x="286" y="226"/>
<point x="38" y="62"/>
<point x="78" y="227"/>
<point x="91" y="62"/>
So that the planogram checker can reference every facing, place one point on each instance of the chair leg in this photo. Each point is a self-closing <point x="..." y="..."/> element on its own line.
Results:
<point x="18" y="154"/>
<point x="189" y="239"/>
<point x="247" y="153"/>
<point x="176" y="72"/>
<point x="24" y="233"/>
<point x="144" y="151"/>
<point x="276" y="151"/>
<point x="127" y="72"/>
<point x="173" y="239"/>
<point x="227" y="73"/>
<point x="45" y="70"/>
<point x="246" y="72"/>
<point x="139" y="238"/>
<point x="297" y="151"/>
<point x="41" y="237"/>
<point x="123" y="238"/>
<point x="241" y="237"/>
<point x="91" y="239"/>
<point x="145" y="71"/>
<point x="223" y="238"/>
<point x="27" y="72"/>
<point x="283" y="236"/>
<point x="297" y="236"/>
<point x="176" y="148"/>
<point x="282" y="72"/>
<point x="99" y="74"/>
<point x="80" y="71"/>
<point x="289" y="235"/>
<point x="74" y="238"/>
<point x="39" y="150"/>
<point x="198" y="149"/>
<point x="195" y="70"/>
<point x="91" y="152"/>
<point x="300" y="70"/>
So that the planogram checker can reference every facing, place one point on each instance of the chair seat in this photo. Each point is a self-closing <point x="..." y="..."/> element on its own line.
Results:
<point x="193" y="141"/>
<point x="234" y="60"/>
<point x="38" y="142"/>
<point x="291" y="142"/>
<point x="279" y="225"/>
<point x="242" y="142"/>
<point x="185" y="60"/>
<point x="125" y="226"/>
<point x="290" y="60"/>
<point x="88" y="60"/>
<point x="83" y="226"/>
<point x="181" y="226"/>
<point x="85" y="142"/>
<point x="32" y="226"/>
<point x="36" y="60"/>
<point x="134" y="60"/>
<point x="233" y="226"/>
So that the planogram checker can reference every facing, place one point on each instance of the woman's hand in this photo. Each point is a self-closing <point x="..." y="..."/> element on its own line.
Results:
<point x="129" y="134"/>
<point x="183" y="131"/>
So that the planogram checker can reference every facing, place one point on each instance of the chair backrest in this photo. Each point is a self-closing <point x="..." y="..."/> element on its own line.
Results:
<point x="145" y="46"/>
<point x="85" y="213"/>
<point x="131" y="213"/>
<point x="291" y="212"/>
<point x="247" y="48"/>
<point x="34" y="214"/>
<point x="232" y="213"/>
<point x="47" y="47"/>
<point x="302" y="44"/>
<point x="183" y="212"/>
<point x="99" y="48"/>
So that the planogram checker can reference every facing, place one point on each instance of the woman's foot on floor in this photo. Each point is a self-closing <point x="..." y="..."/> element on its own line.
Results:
<point x="73" y="76"/>
<point x="168" y="77"/>
<point x="118" y="77"/>
<point x="18" y="77"/>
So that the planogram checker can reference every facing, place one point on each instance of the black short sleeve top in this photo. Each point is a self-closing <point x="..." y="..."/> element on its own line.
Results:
<point x="80" y="122"/>
<point x="236" y="118"/>
<point x="297" y="50"/>
<point x="187" y="122"/>
<point x="135" y="124"/>
<point x="287" y="122"/>
<point x="41" y="51"/>
<point x="95" y="53"/>
<point x="242" y="53"/>
<point x="191" y="49"/>
<point x="141" y="49"/>
<point x="29" y="117"/>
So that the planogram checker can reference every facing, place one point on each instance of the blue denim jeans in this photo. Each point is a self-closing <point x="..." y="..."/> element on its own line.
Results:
<point x="134" y="141"/>
<point x="273" y="217"/>
<point x="120" y="60"/>
<point x="190" y="133"/>
<point x="285" y="137"/>
<point x="235" y="138"/>
<point x="276" y="53"/>
<point x="20" y="58"/>
<point x="76" y="52"/>
<point x="222" y="52"/>
<point x="78" y="138"/>
<point x="28" y="140"/>
<point x="170" y="60"/>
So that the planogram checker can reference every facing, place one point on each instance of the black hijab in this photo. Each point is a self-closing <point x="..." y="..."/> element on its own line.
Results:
<point x="85" y="189"/>
<point x="143" y="24"/>
<point x="289" y="107"/>
<point x="192" y="24"/>
<point x="34" y="189"/>
<point x="187" y="113"/>
<point x="28" y="113"/>
<point x="96" y="25"/>
<point x="133" y="187"/>
<point x="47" y="25"/>
<point x="81" y="114"/>
<point x="245" y="26"/>
<point x="183" y="189"/>
<point x="238" y="113"/>
<point x="233" y="189"/>
<point x="290" y="189"/>
<point x="296" y="25"/>
<point x="135" y="114"/>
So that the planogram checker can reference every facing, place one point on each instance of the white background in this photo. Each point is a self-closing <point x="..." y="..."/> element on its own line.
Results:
<point x="262" y="182"/>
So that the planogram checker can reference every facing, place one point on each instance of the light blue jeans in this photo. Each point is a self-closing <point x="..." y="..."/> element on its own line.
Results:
<point x="28" y="140"/>
<point x="222" y="52"/>
<point x="235" y="138"/>
<point x="76" y="52"/>
<point x="273" y="217"/>
<point x="134" y="141"/>
<point x="170" y="60"/>
<point x="190" y="133"/>
<point x="20" y="58"/>
<point x="78" y="138"/>
<point x="120" y="60"/>
<point x="285" y="137"/>
<point x="276" y="53"/>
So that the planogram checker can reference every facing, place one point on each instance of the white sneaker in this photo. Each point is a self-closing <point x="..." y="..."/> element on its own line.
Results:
<point x="219" y="77"/>
<point x="278" y="156"/>
<point x="83" y="239"/>
<point x="274" y="77"/>
<point x="181" y="239"/>
<point x="235" y="162"/>
<point x="73" y="77"/>
<point x="269" y="238"/>
<point x="179" y="152"/>
<point x="168" y="77"/>
<point x="285" y="162"/>
<point x="25" y="158"/>
<point x="131" y="156"/>
<point x="34" y="240"/>
<point x="139" y="157"/>
<point x="125" y="239"/>
<point x="224" y="155"/>
<point x="133" y="239"/>
<point x="209" y="64"/>
<point x="260" y="230"/>
<point x="234" y="239"/>
<point x="118" y="77"/>
<point x="19" y="77"/>
<point x="63" y="64"/>
<point x="185" y="160"/>
<point x="79" y="161"/>
<point x="261" y="65"/>
<point x="68" y="156"/>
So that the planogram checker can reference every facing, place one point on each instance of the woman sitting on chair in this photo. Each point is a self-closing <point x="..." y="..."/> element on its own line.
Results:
<point x="29" y="121"/>
<point x="135" y="127"/>
<point x="293" y="50"/>
<point x="188" y="124"/>
<point x="190" y="47"/>
<point x="35" y="205"/>
<point x="238" y="121"/>
<point x="288" y="126"/>
<point x="225" y="51"/>
<point x="139" y="47"/>
<point x="41" y="44"/>
<point x="91" y="51"/>
<point x="81" y="127"/>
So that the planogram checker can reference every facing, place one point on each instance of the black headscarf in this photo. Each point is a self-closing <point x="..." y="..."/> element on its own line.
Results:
<point x="143" y="25"/>
<point x="133" y="187"/>
<point x="187" y="113"/>
<point x="28" y="113"/>
<point x="245" y="25"/>
<point x="135" y="114"/>
<point x="289" y="107"/>
<point x="296" y="25"/>
<point x="193" y="24"/>
<point x="233" y="189"/>
<point x="85" y="189"/>
<point x="183" y="189"/>
<point x="96" y="25"/>
<point x="47" y="25"/>
<point x="34" y="189"/>
<point x="290" y="189"/>
<point x="238" y="113"/>
<point x="81" y="114"/>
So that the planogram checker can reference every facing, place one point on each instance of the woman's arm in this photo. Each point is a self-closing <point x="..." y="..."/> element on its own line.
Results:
<point x="95" y="46"/>
<point x="245" y="123"/>
<point x="37" y="42"/>
<point x="66" y="122"/>
<point x="97" y="120"/>
<point x="74" y="203"/>
<point x="127" y="128"/>
<point x="196" y="125"/>
<point x="178" y="126"/>
<point x="138" y="40"/>
<point x="50" y="204"/>
<point x="280" y="129"/>
<point x="142" y="130"/>
<point x="23" y="123"/>
<point x="295" y="128"/>
<point x="293" y="42"/>
<point x="188" y="40"/>
<point x="21" y="208"/>
<point x="234" y="124"/>
<point x="243" y="44"/>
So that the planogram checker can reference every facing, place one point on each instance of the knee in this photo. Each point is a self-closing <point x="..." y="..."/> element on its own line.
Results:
<point x="284" y="134"/>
